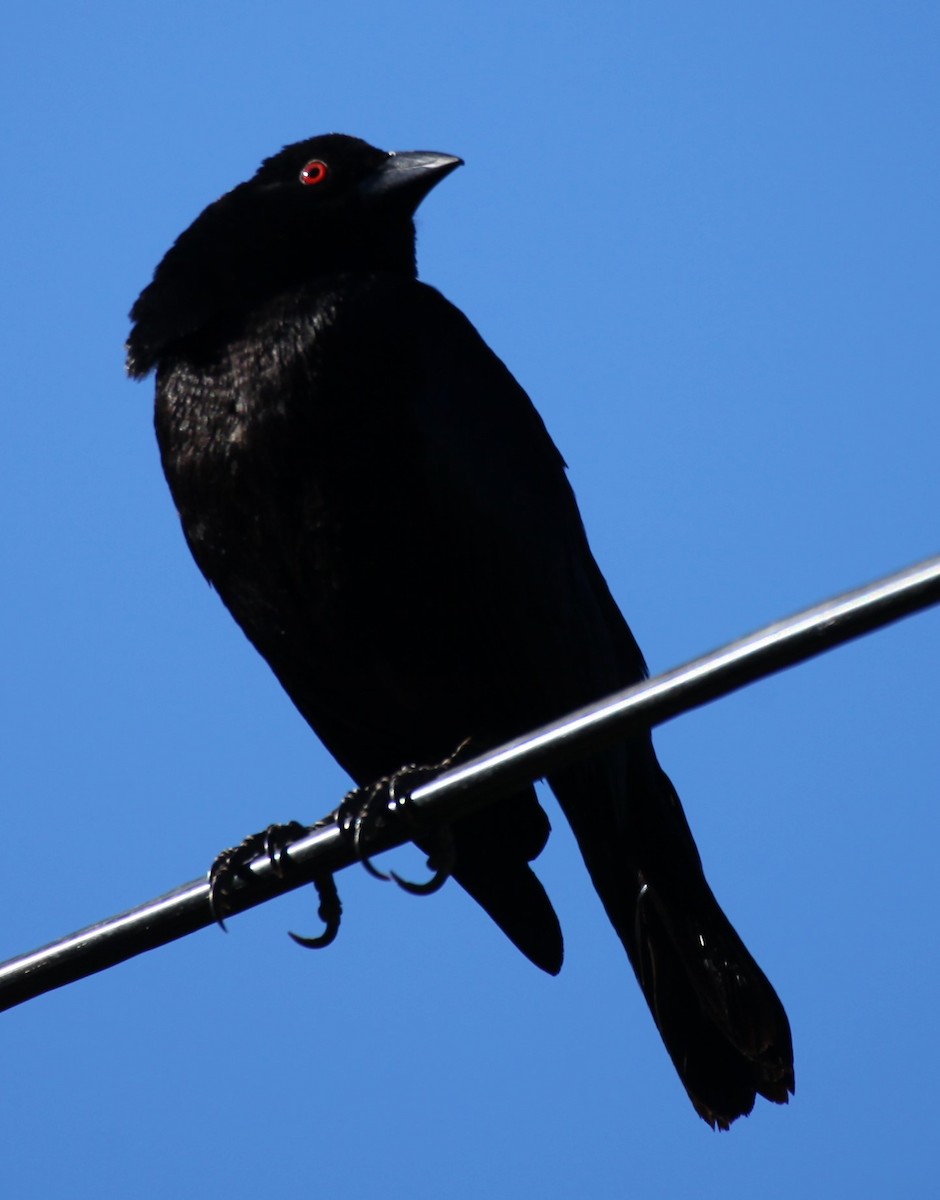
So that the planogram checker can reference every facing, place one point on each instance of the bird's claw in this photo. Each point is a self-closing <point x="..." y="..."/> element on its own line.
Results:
<point x="330" y="913"/>
<point x="363" y="811"/>
<point x="272" y="843"/>
<point x="437" y="880"/>
<point x="233" y="864"/>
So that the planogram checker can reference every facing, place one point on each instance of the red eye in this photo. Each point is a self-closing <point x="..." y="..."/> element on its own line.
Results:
<point x="314" y="172"/>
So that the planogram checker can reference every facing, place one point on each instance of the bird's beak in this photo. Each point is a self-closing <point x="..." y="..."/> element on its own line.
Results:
<point x="406" y="177"/>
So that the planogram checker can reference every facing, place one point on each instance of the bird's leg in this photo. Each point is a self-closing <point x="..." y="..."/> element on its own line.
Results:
<point x="272" y="843"/>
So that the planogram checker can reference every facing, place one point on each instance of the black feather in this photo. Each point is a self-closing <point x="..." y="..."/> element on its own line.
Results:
<point x="381" y="509"/>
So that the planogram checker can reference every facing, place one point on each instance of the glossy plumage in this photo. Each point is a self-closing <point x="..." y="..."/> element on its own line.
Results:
<point x="379" y="506"/>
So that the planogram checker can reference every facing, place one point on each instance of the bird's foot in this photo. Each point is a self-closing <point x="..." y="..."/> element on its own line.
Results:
<point x="365" y="811"/>
<point x="272" y="843"/>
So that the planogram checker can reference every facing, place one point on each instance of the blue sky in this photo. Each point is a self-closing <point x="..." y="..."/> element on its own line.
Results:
<point x="705" y="239"/>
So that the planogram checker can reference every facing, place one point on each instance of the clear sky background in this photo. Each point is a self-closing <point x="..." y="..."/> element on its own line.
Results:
<point x="705" y="238"/>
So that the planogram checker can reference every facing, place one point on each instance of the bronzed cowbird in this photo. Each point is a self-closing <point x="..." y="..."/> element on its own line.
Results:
<point x="381" y="509"/>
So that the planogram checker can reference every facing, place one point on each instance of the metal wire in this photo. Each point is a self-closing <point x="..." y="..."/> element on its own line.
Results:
<point x="483" y="780"/>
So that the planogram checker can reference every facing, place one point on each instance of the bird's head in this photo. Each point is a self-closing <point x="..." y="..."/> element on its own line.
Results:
<point x="327" y="205"/>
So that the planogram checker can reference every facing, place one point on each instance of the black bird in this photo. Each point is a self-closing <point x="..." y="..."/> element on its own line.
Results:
<point x="381" y="509"/>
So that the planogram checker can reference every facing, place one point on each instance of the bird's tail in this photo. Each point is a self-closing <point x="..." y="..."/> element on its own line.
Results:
<point x="720" y="1019"/>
